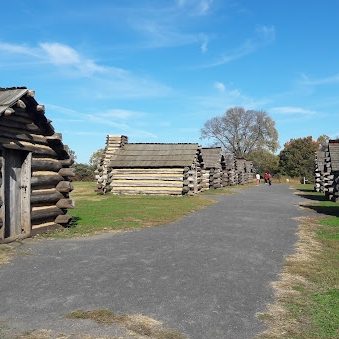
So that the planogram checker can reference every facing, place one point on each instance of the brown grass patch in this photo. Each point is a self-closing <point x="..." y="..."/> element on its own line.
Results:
<point x="6" y="253"/>
<point x="139" y="326"/>
<point x="283" y="317"/>
<point x="49" y="334"/>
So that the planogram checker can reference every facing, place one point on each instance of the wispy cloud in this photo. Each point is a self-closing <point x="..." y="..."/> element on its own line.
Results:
<point x="219" y="86"/>
<point x="292" y="110"/>
<point x="263" y="36"/>
<point x="105" y="81"/>
<point x="204" y="43"/>
<point x="331" y="79"/>
<point x="196" y="7"/>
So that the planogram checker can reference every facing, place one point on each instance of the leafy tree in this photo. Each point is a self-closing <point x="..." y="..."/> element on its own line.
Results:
<point x="297" y="157"/>
<point x="323" y="141"/>
<point x="83" y="172"/>
<point x="95" y="158"/>
<point x="242" y="131"/>
<point x="264" y="160"/>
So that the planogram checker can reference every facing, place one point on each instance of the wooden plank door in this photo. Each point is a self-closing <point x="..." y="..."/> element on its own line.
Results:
<point x="17" y="191"/>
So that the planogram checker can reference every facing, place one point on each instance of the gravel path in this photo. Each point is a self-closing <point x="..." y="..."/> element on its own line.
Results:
<point x="206" y="275"/>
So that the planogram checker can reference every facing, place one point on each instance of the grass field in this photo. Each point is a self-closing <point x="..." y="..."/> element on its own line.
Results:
<point x="97" y="213"/>
<point x="307" y="294"/>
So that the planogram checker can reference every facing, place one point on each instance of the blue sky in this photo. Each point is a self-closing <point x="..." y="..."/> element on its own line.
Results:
<point x="157" y="70"/>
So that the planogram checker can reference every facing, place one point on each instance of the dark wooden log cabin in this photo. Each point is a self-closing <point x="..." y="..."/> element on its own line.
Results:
<point x="35" y="173"/>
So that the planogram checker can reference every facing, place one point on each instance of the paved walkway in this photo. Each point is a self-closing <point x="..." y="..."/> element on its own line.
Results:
<point x="206" y="275"/>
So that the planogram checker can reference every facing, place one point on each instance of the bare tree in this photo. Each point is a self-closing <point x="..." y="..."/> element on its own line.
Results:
<point x="242" y="131"/>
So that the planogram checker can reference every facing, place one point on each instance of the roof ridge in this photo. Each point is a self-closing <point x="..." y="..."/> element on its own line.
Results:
<point x="12" y="88"/>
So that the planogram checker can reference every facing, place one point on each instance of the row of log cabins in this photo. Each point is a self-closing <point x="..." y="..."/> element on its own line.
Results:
<point x="327" y="170"/>
<point x="35" y="173"/>
<point x="167" y="168"/>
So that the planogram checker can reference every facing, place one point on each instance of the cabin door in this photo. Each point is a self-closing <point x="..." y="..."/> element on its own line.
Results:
<point x="17" y="194"/>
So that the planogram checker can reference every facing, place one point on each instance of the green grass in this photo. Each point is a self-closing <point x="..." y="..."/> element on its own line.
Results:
<point x="96" y="213"/>
<point x="312" y="305"/>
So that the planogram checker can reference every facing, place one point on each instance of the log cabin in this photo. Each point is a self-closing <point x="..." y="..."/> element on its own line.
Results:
<point x="150" y="168"/>
<point x="331" y="173"/>
<point x="213" y="169"/>
<point x="34" y="168"/>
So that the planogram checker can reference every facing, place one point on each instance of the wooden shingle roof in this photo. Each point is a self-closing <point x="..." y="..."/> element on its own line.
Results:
<point x="212" y="157"/>
<point x="154" y="155"/>
<point x="333" y="147"/>
<point x="9" y="96"/>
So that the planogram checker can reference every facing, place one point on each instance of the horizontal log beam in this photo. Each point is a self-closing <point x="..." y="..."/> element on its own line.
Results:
<point x="45" y="213"/>
<point x="41" y="197"/>
<point x="45" y="179"/>
<point x="66" y="172"/>
<point x="64" y="186"/>
<point x="65" y="203"/>
<point x="45" y="164"/>
<point x="63" y="219"/>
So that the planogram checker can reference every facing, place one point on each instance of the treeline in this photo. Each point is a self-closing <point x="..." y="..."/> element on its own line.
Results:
<point x="248" y="134"/>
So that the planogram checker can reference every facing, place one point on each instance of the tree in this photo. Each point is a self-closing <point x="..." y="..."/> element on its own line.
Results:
<point x="95" y="158"/>
<point x="297" y="157"/>
<point x="242" y="131"/>
<point x="323" y="141"/>
<point x="83" y="172"/>
<point x="264" y="160"/>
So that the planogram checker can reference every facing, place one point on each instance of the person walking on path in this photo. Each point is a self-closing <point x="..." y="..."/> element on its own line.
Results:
<point x="267" y="178"/>
<point x="257" y="177"/>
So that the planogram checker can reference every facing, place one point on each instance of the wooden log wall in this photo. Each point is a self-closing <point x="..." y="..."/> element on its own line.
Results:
<point x="205" y="179"/>
<point x="241" y="171"/>
<point x="229" y="172"/>
<point x="50" y="172"/>
<point x="319" y="171"/>
<point x="149" y="181"/>
<point x="331" y="171"/>
<point x="101" y="173"/>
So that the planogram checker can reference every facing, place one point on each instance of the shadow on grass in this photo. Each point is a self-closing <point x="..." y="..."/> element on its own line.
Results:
<point x="327" y="210"/>
<point x="312" y="196"/>
<point x="74" y="222"/>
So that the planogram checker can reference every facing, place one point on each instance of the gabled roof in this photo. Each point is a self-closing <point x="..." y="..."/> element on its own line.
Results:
<point x="213" y="157"/>
<point x="333" y="146"/>
<point x="9" y="96"/>
<point x="154" y="155"/>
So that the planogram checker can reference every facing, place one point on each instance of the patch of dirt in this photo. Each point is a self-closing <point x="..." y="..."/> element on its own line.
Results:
<point x="137" y="325"/>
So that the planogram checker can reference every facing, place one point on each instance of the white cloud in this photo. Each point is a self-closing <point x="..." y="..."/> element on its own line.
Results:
<point x="292" y="110"/>
<point x="103" y="81"/>
<point x="219" y="86"/>
<point x="60" y="54"/>
<point x="263" y="36"/>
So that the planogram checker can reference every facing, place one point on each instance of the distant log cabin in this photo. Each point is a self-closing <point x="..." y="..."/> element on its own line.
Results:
<point x="35" y="168"/>
<point x="150" y="168"/>
<point x="213" y="169"/>
<point x="331" y="174"/>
